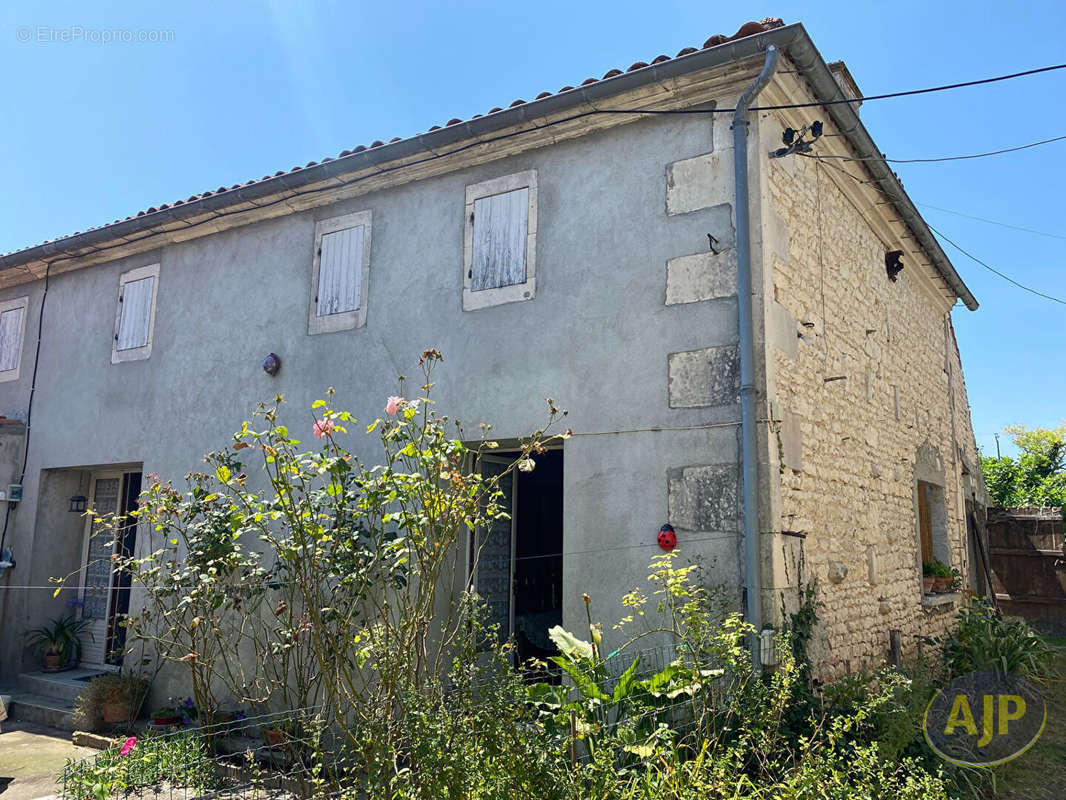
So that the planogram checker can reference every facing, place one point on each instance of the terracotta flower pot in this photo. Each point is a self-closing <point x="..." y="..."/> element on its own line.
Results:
<point x="942" y="585"/>
<point x="927" y="584"/>
<point x="114" y="711"/>
<point x="274" y="736"/>
<point x="166" y="720"/>
<point x="53" y="662"/>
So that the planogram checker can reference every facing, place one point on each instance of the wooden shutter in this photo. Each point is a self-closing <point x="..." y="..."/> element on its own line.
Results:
<point x="925" y="522"/>
<point x="136" y="314"/>
<point x="340" y="271"/>
<point x="501" y="223"/>
<point x="10" y="338"/>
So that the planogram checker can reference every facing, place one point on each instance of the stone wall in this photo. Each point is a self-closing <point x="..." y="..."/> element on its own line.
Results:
<point x="866" y="397"/>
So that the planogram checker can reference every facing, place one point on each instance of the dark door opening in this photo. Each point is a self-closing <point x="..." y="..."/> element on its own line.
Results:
<point x="125" y="542"/>
<point x="518" y="563"/>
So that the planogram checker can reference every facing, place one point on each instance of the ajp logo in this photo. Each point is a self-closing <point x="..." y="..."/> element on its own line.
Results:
<point x="984" y="718"/>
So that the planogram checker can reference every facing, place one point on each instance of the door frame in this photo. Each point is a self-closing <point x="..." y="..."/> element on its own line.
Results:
<point x="472" y="561"/>
<point x="120" y="474"/>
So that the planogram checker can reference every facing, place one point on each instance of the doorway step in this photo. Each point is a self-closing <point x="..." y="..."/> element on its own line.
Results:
<point x="47" y="698"/>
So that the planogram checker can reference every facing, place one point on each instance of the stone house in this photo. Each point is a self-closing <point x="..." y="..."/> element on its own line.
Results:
<point x="716" y="357"/>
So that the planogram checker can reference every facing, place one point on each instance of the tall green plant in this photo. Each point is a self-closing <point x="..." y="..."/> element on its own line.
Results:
<point x="61" y="636"/>
<point x="285" y="577"/>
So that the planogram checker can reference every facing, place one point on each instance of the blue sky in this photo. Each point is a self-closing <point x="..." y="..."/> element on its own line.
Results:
<point x="95" y="131"/>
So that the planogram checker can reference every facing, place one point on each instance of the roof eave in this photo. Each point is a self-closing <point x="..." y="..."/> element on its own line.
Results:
<point x="792" y="39"/>
<point x="580" y="97"/>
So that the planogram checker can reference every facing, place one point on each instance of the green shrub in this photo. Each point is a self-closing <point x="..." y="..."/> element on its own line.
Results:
<point x="984" y="639"/>
<point x="180" y="760"/>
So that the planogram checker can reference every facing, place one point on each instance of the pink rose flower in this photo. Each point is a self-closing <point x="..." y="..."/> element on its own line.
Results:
<point x="322" y="427"/>
<point x="393" y="405"/>
<point x="129" y="745"/>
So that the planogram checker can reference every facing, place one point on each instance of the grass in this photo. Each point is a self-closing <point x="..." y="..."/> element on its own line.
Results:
<point x="1040" y="774"/>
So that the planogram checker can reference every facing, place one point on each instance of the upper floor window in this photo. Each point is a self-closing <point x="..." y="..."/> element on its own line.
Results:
<point x="339" y="274"/>
<point x="12" y="331"/>
<point x="500" y="245"/>
<point x="135" y="317"/>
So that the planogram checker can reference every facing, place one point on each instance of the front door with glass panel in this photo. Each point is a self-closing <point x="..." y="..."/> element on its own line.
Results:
<point x="493" y="551"/>
<point x="105" y="591"/>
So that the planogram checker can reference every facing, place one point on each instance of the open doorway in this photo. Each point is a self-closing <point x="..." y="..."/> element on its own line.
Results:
<point x="105" y="591"/>
<point x="517" y="564"/>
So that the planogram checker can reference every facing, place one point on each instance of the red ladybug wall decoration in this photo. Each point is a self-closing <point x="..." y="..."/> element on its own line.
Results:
<point x="667" y="537"/>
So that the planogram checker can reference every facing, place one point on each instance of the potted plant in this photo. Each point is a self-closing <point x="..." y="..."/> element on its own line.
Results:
<point x="928" y="578"/>
<point x="60" y="640"/>
<point x="177" y="711"/>
<point x="937" y="577"/>
<point x="942" y="575"/>
<point x="113" y="698"/>
<point x="276" y="733"/>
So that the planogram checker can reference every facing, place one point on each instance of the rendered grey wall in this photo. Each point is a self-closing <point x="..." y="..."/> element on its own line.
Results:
<point x="597" y="338"/>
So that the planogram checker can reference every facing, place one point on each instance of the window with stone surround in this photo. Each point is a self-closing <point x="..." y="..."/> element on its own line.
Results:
<point x="930" y="507"/>
<point x="340" y="270"/>
<point x="500" y="242"/>
<point x="932" y="523"/>
<point x="12" y="332"/>
<point x="135" y="316"/>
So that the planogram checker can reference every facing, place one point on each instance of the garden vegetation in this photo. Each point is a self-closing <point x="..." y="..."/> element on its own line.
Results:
<point x="309" y="584"/>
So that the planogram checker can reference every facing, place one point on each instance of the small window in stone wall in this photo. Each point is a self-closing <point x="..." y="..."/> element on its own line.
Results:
<point x="932" y="523"/>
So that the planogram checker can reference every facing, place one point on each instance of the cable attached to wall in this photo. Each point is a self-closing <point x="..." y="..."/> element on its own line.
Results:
<point x="29" y="405"/>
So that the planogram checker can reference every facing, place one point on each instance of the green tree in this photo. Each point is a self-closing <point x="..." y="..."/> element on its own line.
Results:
<point x="1037" y="477"/>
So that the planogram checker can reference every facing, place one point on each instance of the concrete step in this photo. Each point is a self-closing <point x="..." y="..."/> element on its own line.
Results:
<point x="42" y="710"/>
<point x="63" y="686"/>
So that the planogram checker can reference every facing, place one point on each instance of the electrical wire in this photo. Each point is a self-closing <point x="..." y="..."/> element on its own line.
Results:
<point x="958" y="247"/>
<point x="29" y="406"/>
<point x="992" y="221"/>
<point x="990" y="268"/>
<point x="688" y="540"/>
<point x="827" y="103"/>
<point x="433" y="156"/>
<point x="944" y="158"/>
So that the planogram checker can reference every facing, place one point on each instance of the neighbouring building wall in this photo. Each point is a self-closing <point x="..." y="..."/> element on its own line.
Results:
<point x="866" y="399"/>
<point x="633" y="329"/>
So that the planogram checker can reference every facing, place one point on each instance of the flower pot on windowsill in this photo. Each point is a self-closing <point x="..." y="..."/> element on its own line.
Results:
<point x="927" y="584"/>
<point x="941" y="585"/>
<point x="275" y="736"/>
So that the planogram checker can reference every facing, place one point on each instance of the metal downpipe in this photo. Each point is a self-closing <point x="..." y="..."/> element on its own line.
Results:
<point x="748" y="431"/>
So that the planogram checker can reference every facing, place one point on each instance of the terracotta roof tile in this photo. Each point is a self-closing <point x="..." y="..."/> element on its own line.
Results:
<point x="747" y="29"/>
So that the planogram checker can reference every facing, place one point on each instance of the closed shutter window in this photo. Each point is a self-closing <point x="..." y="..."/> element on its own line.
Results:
<point x="11" y="338"/>
<point x="135" y="317"/>
<point x="136" y="313"/>
<point x="499" y="264"/>
<point x="501" y="224"/>
<point x="340" y="271"/>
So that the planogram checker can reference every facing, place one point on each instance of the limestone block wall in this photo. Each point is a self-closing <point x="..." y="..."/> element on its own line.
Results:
<point x="866" y="397"/>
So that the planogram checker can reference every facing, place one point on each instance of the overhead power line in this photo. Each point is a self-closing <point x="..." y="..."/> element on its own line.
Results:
<point x="846" y="100"/>
<point x="946" y="158"/>
<point x="992" y="221"/>
<point x="435" y="155"/>
<point x="958" y="247"/>
<point x="990" y="268"/>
